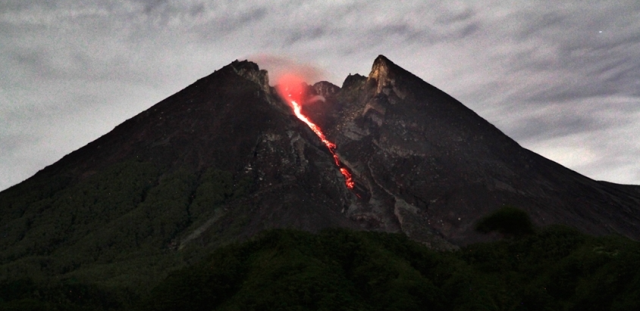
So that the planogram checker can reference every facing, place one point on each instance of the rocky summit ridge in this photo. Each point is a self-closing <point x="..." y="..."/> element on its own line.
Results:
<point x="225" y="158"/>
<point x="436" y="166"/>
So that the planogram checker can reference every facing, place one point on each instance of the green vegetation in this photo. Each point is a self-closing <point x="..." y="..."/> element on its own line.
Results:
<point x="109" y="243"/>
<point x="24" y="294"/>
<point x="555" y="269"/>
<point x="117" y="230"/>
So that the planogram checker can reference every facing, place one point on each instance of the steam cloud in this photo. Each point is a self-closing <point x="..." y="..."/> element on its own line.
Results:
<point x="278" y="66"/>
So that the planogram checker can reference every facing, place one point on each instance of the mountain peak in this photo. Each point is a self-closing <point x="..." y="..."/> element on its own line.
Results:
<point x="385" y="75"/>
<point x="382" y="60"/>
<point x="250" y="71"/>
<point x="380" y="69"/>
<point x="222" y="160"/>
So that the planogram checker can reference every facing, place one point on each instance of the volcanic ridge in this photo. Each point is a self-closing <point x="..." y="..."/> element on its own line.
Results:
<point x="228" y="157"/>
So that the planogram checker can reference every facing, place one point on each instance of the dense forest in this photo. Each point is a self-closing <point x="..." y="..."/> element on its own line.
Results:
<point x="551" y="268"/>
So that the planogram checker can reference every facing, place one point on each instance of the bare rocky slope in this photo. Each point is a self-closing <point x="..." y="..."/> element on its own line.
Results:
<point x="429" y="164"/>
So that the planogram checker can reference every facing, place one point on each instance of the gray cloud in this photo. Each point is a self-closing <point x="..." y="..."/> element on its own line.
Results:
<point x="561" y="79"/>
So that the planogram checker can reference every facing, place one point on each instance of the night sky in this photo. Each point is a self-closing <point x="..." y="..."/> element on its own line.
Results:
<point x="561" y="79"/>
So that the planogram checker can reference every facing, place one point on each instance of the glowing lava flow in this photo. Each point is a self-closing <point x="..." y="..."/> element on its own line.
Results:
<point x="297" y="109"/>
<point x="292" y="85"/>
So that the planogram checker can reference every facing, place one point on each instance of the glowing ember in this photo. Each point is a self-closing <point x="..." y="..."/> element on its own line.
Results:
<point x="291" y="88"/>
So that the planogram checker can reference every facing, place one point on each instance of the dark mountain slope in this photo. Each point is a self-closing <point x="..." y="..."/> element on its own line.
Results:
<point x="436" y="164"/>
<point x="225" y="158"/>
<point x="216" y="162"/>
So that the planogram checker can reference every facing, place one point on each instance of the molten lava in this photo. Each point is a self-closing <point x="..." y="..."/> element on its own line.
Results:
<point x="292" y="89"/>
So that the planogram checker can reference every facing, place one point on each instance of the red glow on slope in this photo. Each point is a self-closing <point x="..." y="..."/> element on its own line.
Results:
<point x="292" y="88"/>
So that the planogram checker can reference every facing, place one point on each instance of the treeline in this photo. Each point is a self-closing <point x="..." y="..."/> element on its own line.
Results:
<point x="555" y="268"/>
<point x="68" y="294"/>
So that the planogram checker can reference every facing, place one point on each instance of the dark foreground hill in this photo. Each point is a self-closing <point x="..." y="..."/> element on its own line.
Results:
<point x="225" y="159"/>
<point x="556" y="269"/>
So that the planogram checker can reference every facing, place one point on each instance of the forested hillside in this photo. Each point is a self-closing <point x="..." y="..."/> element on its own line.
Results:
<point x="556" y="268"/>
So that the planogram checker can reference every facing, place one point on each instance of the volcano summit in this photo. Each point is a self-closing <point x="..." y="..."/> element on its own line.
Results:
<point x="227" y="157"/>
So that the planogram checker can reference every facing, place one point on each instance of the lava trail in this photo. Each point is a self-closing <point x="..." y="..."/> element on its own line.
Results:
<point x="291" y="88"/>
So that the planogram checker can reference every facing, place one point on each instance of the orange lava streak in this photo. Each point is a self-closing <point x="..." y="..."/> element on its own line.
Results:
<point x="292" y="88"/>
<point x="297" y="109"/>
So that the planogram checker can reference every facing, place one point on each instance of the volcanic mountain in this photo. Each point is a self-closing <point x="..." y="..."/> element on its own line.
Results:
<point x="226" y="158"/>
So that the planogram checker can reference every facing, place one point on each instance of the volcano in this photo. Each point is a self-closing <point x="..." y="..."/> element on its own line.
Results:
<point x="226" y="158"/>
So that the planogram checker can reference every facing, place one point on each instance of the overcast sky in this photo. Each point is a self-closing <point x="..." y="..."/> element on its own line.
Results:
<point x="562" y="80"/>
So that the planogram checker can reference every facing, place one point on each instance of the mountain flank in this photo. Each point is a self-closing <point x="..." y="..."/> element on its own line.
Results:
<point x="225" y="159"/>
